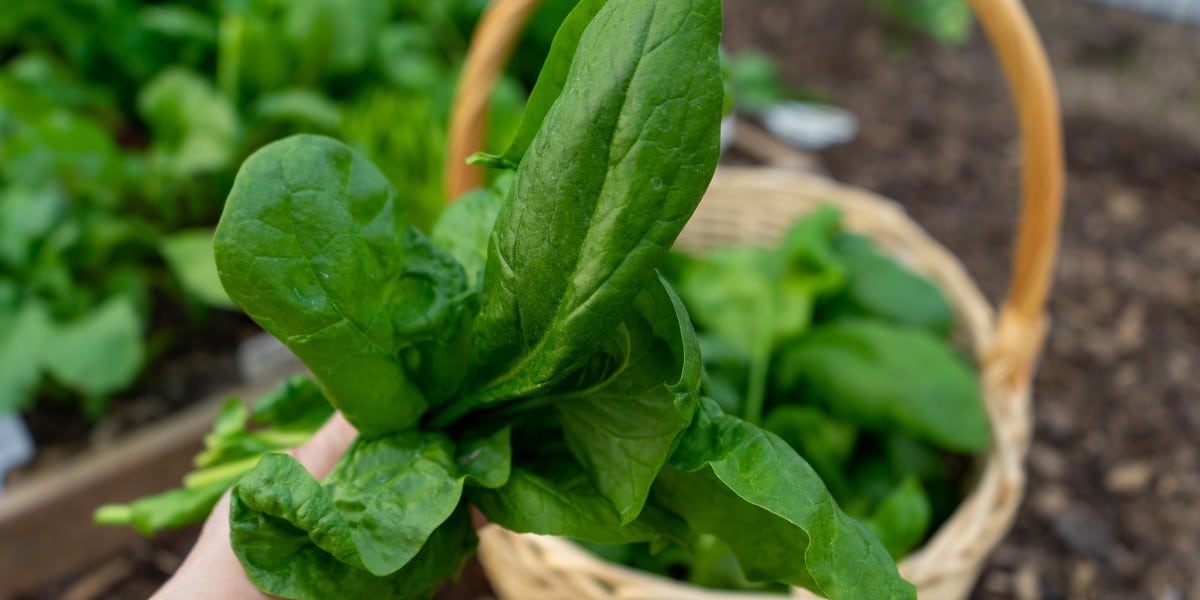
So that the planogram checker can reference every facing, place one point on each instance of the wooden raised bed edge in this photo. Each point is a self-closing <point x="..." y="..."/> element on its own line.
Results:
<point x="46" y="528"/>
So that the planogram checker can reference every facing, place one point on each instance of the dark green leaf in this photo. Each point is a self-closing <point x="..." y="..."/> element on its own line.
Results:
<point x="288" y="565"/>
<point x="879" y="287"/>
<point x="826" y="444"/>
<point x="902" y="519"/>
<point x="375" y="510"/>
<point x="556" y="497"/>
<point x="487" y="460"/>
<point x="749" y="488"/>
<point x="615" y="171"/>
<point x="297" y="404"/>
<point x="552" y="78"/>
<point x="622" y="429"/>
<point x="885" y="378"/>
<point x="464" y="227"/>
<point x="313" y="246"/>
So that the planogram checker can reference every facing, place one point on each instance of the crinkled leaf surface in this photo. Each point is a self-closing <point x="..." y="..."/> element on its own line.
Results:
<point x="749" y="488"/>
<point x="314" y="247"/>
<point x="616" y="169"/>
<point x="374" y="512"/>
<point x="282" y="561"/>
<point x="553" y="76"/>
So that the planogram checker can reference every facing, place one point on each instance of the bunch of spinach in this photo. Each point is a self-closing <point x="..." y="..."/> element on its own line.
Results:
<point x="122" y="123"/>
<point x="844" y="354"/>
<point x="526" y="358"/>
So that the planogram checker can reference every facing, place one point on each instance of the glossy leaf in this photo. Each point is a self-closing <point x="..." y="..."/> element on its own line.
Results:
<point x="556" y="497"/>
<point x="622" y="429"/>
<point x="314" y="247"/>
<point x="374" y="512"/>
<point x="616" y="169"/>
<point x="553" y="77"/>
<point x="768" y="504"/>
<point x="487" y="460"/>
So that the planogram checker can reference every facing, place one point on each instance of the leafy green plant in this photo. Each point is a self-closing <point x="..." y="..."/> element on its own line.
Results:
<point x="527" y="360"/>
<point x="121" y="126"/>
<point x="842" y="353"/>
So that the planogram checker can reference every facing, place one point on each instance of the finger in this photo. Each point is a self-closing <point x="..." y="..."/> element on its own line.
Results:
<point x="323" y="450"/>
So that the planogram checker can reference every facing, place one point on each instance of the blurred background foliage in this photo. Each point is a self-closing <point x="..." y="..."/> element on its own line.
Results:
<point x="122" y="124"/>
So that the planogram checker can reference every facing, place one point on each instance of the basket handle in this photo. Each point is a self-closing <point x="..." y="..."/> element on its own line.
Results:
<point x="1022" y="324"/>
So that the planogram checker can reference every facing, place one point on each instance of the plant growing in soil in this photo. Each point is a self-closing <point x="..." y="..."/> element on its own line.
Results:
<point x="526" y="358"/>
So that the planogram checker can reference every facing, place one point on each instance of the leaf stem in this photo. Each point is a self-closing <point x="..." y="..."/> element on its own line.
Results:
<point x="756" y="388"/>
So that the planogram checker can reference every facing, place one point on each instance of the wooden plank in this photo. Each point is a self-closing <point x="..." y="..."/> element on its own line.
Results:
<point x="46" y="529"/>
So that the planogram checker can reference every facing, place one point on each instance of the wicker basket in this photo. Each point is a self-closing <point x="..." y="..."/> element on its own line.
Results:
<point x="754" y="205"/>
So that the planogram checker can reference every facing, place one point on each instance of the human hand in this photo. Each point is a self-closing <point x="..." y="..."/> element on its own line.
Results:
<point x="211" y="570"/>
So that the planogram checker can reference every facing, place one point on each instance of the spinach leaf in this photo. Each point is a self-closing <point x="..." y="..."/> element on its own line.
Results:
<point x="877" y="286"/>
<point x="314" y="247"/>
<point x="556" y="497"/>
<point x="754" y="298"/>
<point x="606" y="185"/>
<point x="374" y="512"/>
<point x="902" y="519"/>
<point x="827" y="444"/>
<point x="285" y="563"/>
<point x="552" y="78"/>
<point x="749" y="488"/>
<point x="168" y="510"/>
<point x="486" y="460"/>
<point x="622" y="429"/>
<point x="885" y="378"/>
<point x="464" y="227"/>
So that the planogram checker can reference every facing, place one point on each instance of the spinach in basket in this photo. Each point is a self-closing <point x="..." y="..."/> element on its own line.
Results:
<point x="844" y="354"/>
<point x="526" y="359"/>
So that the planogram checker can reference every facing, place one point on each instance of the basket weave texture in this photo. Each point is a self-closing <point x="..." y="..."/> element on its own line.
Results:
<point x="754" y="205"/>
